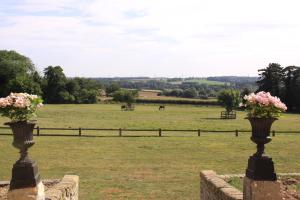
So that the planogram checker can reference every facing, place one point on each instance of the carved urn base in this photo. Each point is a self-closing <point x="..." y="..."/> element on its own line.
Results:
<point x="24" y="175"/>
<point x="25" y="171"/>
<point x="261" y="169"/>
<point x="260" y="166"/>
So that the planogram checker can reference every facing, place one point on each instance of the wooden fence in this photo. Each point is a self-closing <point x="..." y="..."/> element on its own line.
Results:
<point x="119" y="131"/>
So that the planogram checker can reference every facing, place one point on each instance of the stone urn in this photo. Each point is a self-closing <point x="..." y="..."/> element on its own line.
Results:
<point x="25" y="171"/>
<point x="260" y="165"/>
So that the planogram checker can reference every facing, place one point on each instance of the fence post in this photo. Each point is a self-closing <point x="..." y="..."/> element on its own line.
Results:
<point x="79" y="130"/>
<point x="120" y="132"/>
<point x="159" y="132"/>
<point x="38" y="131"/>
<point x="236" y="133"/>
<point x="273" y="133"/>
<point x="199" y="132"/>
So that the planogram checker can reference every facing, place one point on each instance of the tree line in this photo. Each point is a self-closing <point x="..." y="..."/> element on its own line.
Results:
<point x="283" y="82"/>
<point x="18" y="74"/>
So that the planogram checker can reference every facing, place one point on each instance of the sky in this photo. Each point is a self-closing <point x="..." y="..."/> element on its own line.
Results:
<point x="156" y="38"/>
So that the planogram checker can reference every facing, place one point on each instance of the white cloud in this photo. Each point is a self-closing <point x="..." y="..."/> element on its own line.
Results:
<point x="163" y="38"/>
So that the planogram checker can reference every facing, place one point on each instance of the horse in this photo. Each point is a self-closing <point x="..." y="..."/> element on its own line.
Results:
<point x="161" y="108"/>
<point x="123" y="107"/>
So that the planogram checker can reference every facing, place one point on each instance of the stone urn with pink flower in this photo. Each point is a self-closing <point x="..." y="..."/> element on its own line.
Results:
<point x="263" y="109"/>
<point x="20" y="108"/>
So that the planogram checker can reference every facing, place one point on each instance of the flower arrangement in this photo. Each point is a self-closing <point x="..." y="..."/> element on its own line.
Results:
<point x="263" y="105"/>
<point x="20" y="106"/>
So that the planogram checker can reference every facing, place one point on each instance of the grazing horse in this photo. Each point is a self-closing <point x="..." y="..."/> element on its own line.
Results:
<point x="161" y="108"/>
<point x="123" y="107"/>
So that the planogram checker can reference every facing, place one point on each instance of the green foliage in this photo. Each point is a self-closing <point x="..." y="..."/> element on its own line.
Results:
<point x="111" y="88"/>
<point x="17" y="74"/>
<point x="190" y="93"/>
<point x="282" y="82"/>
<point x="55" y="85"/>
<point x="229" y="98"/>
<point x="128" y="96"/>
<point x="292" y="87"/>
<point x="271" y="79"/>
<point x="59" y="89"/>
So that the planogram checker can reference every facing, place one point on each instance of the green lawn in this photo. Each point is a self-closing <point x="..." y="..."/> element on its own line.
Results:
<point x="147" y="167"/>
<point x="205" y="81"/>
<point x="148" y="116"/>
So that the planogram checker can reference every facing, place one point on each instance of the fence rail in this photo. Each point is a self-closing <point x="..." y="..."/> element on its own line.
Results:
<point x="120" y="131"/>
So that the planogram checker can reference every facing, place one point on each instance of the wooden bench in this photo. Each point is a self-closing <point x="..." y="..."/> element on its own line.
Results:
<point x="228" y="115"/>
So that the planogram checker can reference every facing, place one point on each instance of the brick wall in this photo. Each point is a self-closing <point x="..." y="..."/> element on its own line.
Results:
<point x="213" y="187"/>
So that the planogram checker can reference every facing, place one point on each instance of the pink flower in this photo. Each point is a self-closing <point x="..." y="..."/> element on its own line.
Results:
<point x="40" y="105"/>
<point x="265" y="99"/>
<point x="4" y="102"/>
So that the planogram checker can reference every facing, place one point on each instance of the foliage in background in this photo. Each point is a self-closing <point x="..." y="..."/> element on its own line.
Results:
<point x="59" y="89"/>
<point x="229" y="99"/>
<point x="17" y="74"/>
<point x="283" y="83"/>
<point x="127" y="96"/>
<point x="111" y="88"/>
<point x="183" y="87"/>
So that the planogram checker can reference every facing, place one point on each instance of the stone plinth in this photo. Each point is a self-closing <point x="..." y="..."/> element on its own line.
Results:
<point x="55" y="189"/>
<point x="66" y="189"/>
<point x="261" y="190"/>
<point x="29" y="193"/>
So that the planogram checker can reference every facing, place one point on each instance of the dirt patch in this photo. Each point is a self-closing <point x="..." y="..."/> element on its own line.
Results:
<point x="290" y="187"/>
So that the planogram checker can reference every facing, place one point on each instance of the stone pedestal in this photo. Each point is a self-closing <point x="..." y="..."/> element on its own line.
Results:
<point x="28" y="193"/>
<point x="261" y="190"/>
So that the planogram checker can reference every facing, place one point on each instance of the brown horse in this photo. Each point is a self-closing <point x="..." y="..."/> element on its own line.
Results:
<point x="161" y="108"/>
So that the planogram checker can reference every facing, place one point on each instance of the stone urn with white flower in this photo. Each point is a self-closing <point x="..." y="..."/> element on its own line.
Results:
<point x="263" y="109"/>
<point x="20" y="107"/>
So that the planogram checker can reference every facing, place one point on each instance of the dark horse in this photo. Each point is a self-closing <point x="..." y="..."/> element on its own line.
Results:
<point x="161" y="108"/>
<point x="123" y="107"/>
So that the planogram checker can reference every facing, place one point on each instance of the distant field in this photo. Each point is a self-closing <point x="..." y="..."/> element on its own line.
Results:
<point x="153" y="94"/>
<point x="205" y="81"/>
<point x="199" y="81"/>
<point x="147" y="167"/>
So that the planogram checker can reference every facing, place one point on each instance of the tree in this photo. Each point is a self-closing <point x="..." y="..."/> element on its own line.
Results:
<point x="127" y="96"/>
<point x="110" y="89"/>
<point x="229" y="98"/>
<point x="291" y="83"/>
<point x="190" y="93"/>
<point x="55" y="86"/>
<point x="271" y="79"/>
<point x="84" y="90"/>
<point x="17" y="74"/>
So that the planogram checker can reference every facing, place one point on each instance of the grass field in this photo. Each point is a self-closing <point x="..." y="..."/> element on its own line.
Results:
<point x="199" y="81"/>
<point x="147" y="167"/>
<point x="205" y="81"/>
<point x="152" y="94"/>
